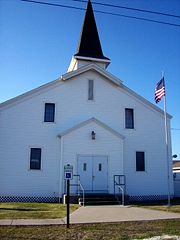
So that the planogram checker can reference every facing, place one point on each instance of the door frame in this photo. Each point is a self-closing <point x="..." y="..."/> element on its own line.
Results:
<point x="95" y="155"/>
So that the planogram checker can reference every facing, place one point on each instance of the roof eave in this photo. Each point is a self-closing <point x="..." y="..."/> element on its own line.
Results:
<point x="107" y="61"/>
<point x="29" y="94"/>
<point x="145" y="101"/>
<point x="84" y="123"/>
<point x="93" y="67"/>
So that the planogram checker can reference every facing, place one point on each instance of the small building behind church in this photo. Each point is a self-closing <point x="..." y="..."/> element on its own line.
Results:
<point x="89" y="119"/>
<point x="176" y="177"/>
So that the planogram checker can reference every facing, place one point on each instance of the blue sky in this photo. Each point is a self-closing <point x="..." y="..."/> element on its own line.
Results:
<point x="37" y="43"/>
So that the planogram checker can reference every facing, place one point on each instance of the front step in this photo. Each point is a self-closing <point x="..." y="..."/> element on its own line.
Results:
<point x="99" y="199"/>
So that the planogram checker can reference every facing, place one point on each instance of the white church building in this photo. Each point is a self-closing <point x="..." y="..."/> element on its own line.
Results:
<point x="89" y="119"/>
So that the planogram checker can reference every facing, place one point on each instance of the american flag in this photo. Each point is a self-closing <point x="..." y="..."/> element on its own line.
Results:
<point x="159" y="90"/>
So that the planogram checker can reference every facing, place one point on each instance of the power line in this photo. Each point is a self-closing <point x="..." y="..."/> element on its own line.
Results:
<point x="53" y="4"/>
<point x="130" y="8"/>
<point x="104" y="12"/>
<point x="176" y="129"/>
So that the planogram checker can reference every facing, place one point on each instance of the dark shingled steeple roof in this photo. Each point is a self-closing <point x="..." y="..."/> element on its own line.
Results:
<point x="89" y="44"/>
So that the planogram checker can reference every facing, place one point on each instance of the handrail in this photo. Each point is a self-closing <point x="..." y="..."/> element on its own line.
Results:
<point x="79" y="187"/>
<point x="82" y="190"/>
<point x="118" y="183"/>
<point x="122" y="190"/>
<point x="78" y="179"/>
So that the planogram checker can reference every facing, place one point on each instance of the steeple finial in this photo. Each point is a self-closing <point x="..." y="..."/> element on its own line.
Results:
<point x="89" y="44"/>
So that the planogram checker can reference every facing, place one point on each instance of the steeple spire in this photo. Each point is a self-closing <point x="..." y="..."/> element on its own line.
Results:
<point x="89" y="45"/>
<point x="89" y="48"/>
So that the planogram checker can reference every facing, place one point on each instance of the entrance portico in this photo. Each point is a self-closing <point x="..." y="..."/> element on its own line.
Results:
<point x="96" y="161"/>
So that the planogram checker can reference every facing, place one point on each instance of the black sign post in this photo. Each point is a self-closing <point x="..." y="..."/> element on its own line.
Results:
<point x="67" y="202"/>
<point x="68" y="175"/>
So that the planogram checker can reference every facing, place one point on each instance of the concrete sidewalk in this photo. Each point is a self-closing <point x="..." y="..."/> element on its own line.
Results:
<point x="95" y="214"/>
<point x="31" y="222"/>
<point x="98" y="214"/>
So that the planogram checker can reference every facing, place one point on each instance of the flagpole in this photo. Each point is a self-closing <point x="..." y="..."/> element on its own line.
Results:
<point x="167" y="149"/>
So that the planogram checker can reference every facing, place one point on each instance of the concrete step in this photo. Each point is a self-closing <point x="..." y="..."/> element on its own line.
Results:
<point x="99" y="199"/>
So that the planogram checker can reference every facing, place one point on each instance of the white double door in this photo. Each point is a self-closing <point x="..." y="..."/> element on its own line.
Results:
<point x="93" y="171"/>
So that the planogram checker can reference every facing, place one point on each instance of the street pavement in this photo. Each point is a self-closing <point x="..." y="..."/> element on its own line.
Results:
<point x="98" y="214"/>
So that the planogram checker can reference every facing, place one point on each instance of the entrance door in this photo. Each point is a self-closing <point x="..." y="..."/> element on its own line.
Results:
<point x="93" y="173"/>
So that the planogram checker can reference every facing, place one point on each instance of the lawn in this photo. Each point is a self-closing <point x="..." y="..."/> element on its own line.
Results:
<point x="56" y="210"/>
<point x="162" y="206"/>
<point x="114" y="231"/>
<point x="124" y="230"/>
<point x="34" y="210"/>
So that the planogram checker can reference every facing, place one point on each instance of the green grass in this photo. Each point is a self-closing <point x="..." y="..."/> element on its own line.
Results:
<point x="33" y="210"/>
<point x="162" y="206"/>
<point x="56" y="210"/>
<point x="124" y="230"/>
<point x="115" y="231"/>
<point x="175" y="209"/>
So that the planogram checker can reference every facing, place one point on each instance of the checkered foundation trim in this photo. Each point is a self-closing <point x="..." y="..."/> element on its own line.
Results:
<point x="74" y="199"/>
<point x="148" y="198"/>
<point x="30" y="199"/>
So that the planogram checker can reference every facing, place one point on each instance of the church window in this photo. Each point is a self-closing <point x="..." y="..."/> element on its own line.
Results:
<point x="129" y="118"/>
<point x="140" y="161"/>
<point x="90" y="90"/>
<point x="100" y="167"/>
<point x="35" y="159"/>
<point x="49" y="112"/>
<point x="84" y="167"/>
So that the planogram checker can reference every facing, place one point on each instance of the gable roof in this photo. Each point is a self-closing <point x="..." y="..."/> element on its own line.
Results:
<point x="93" y="67"/>
<point x="31" y="93"/>
<point x="90" y="67"/>
<point x="84" y="123"/>
<point x="55" y="83"/>
<point x="89" y="44"/>
<point x="110" y="77"/>
<point x="144" y="101"/>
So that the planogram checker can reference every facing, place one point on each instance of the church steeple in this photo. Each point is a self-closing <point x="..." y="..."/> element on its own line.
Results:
<point x="89" y="45"/>
<point x="89" y="48"/>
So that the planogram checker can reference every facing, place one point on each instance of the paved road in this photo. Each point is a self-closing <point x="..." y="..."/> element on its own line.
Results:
<point x="96" y="214"/>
